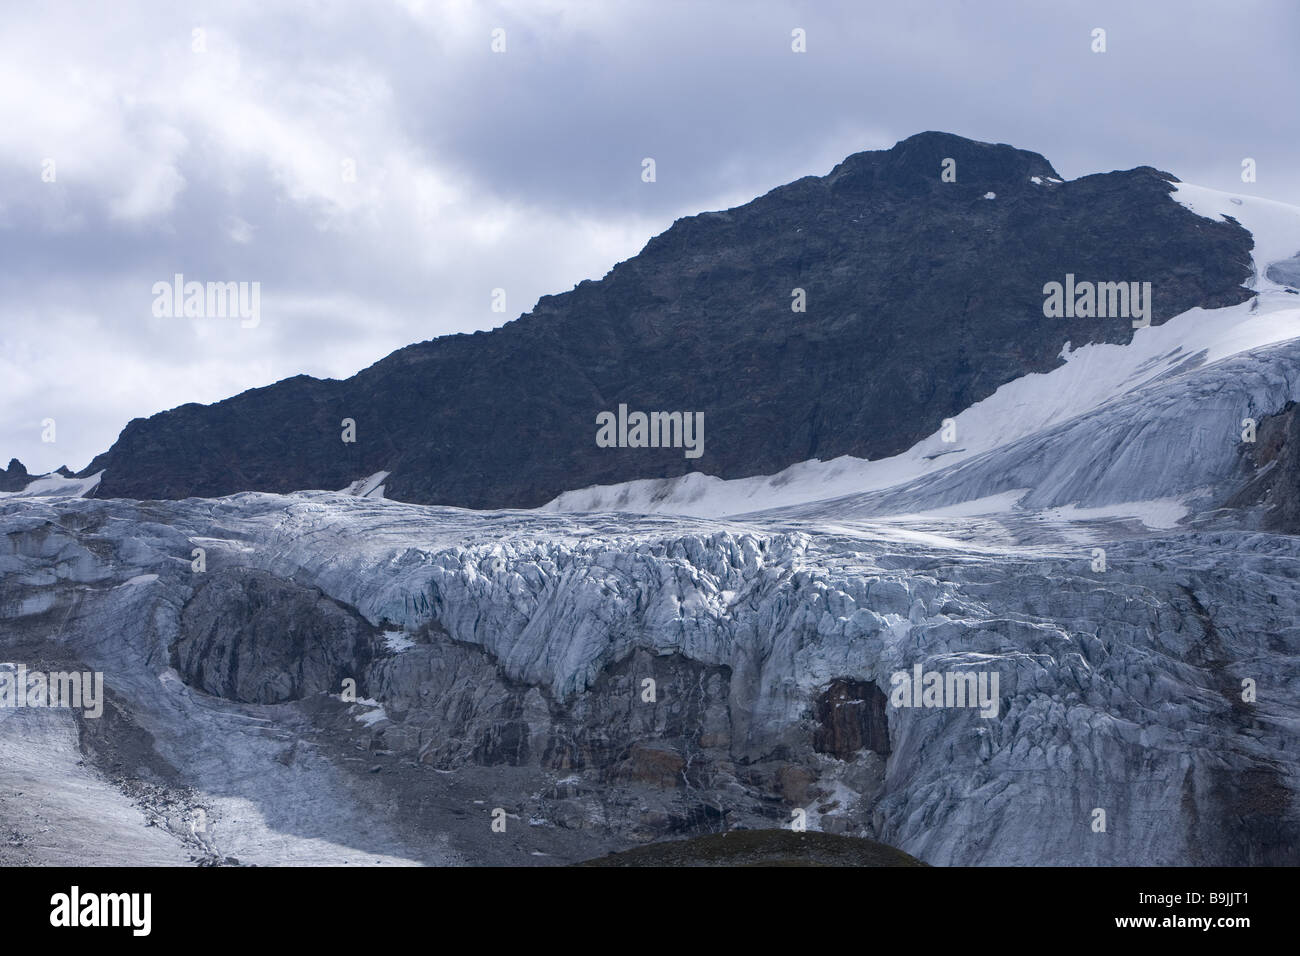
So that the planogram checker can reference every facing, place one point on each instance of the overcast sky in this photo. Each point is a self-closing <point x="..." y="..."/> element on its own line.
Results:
<point x="222" y="155"/>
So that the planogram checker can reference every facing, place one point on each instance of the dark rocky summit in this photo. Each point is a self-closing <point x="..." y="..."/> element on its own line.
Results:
<point x="15" y="477"/>
<point x="923" y="297"/>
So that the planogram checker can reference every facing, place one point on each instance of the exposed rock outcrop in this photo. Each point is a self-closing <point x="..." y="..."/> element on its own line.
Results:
<point x="851" y="716"/>
<point x="251" y="637"/>
<point x="15" y="477"/>
<point x="1273" y="463"/>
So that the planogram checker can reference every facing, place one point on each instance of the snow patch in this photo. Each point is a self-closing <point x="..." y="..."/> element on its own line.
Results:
<point x="397" y="642"/>
<point x="139" y="579"/>
<point x="55" y="485"/>
<point x="1158" y="514"/>
<point x="370" y="487"/>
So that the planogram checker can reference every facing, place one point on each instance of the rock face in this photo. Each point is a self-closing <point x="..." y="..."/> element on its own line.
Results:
<point x="15" y="477"/>
<point x="1273" y="463"/>
<point x="922" y="297"/>
<point x="251" y="637"/>
<point x="651" y="768"/>
<point x="851" y="715"/>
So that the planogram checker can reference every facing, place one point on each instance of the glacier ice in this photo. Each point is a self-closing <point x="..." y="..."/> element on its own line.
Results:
<point x="1120" y="690"/>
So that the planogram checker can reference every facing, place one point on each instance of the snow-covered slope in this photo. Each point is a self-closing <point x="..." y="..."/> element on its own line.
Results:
<point x="1172" y="444"/>
<point x="55" y="485"/>
<point x="369" y="487"/>
<point x="1090" y="377"/>
<point x="1275" y="226"/>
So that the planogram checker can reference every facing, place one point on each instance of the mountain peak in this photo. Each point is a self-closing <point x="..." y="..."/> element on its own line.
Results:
<point x="15" y="477"/>
<point x="920" y="159"/>
<point x="840" y="315"/>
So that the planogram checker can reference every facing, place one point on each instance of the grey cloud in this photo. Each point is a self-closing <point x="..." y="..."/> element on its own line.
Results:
<point x="521" y="170"/>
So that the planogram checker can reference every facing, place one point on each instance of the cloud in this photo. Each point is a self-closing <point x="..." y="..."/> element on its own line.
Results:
<point x="380" y="170"/>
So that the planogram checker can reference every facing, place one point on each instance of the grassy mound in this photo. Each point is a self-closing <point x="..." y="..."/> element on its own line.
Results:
<point x="761" y="848"/>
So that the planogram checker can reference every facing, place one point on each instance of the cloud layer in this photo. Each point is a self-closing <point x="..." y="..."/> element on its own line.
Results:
<point x="380" y="170"/>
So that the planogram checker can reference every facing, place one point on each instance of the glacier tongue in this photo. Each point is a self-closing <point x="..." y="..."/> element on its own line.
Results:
<point x="772" y="642"/>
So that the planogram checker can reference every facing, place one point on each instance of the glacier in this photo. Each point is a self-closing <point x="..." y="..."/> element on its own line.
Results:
<point x="527" y="638"/>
